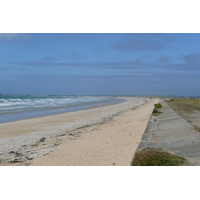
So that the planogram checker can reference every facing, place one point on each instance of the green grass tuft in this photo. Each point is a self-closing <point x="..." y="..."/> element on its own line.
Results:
<point x="156" y="109"/>
<point x="157" y="157"/>
<point x="158" y="105"/>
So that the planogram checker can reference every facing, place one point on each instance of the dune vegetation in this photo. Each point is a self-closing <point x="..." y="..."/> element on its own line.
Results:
<point x="157" y="157"/>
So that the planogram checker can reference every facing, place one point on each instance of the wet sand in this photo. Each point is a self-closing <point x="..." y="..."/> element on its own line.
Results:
<point x="101" y="136"/>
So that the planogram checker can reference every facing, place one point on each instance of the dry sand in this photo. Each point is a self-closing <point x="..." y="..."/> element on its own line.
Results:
<point x="101" y="136"/>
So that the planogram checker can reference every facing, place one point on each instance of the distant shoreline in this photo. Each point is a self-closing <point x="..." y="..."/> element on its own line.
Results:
<point x="46" y="111"/>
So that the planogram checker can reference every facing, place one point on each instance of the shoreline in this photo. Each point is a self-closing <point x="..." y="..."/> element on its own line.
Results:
<point x="31" y="139"/>
<point x="13" y="116"/>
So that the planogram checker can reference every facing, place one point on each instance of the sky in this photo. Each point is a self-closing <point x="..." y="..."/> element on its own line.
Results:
<point x="160" y="64"/>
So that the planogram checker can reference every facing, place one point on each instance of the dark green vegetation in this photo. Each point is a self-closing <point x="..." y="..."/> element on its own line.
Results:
<point x="158" y="105"/>
<point x="156" y="109"/>
<point x="189" y="109"/>
<point x="157" y="157"/>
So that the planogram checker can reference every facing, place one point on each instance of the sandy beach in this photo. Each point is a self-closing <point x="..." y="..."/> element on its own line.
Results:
<point x="101" y="136"/>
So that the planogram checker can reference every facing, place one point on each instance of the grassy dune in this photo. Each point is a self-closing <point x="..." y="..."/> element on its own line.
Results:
<point x="189" y="109"/>
<point x="157" y="157"/>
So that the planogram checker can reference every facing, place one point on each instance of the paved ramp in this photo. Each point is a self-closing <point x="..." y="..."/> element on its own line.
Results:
<point x="171" y="132"/>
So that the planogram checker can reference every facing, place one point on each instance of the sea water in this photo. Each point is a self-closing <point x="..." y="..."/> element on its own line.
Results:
<point x="14" y="108"/>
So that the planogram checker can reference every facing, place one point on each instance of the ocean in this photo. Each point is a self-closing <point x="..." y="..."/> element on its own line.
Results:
<point x="13" y="108"/>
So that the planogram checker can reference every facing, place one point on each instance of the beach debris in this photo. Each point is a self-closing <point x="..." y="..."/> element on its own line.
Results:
<point x="15" y="161"/>
<point x="28" y="158"/>
<point x="42" y="140"/>
<point x="62" y="135"/>
<point x="18" y="154"/>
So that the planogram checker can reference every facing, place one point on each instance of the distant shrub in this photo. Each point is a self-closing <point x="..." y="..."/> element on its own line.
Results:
<point x="155" y="111"/>
<point x="158" y="105"/>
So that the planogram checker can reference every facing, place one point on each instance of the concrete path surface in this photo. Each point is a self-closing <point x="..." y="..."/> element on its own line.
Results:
<point x="171" y="132"/>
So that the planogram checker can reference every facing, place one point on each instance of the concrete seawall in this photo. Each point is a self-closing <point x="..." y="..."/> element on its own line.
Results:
<point x="171" y="132"/>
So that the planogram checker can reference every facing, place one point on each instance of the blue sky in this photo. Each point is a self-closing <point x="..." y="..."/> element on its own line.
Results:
<point x="100" y="64"/>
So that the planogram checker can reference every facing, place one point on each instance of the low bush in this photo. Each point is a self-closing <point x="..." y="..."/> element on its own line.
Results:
<point x="156" y="157"/>
<point x="155" y="111"/>
<point x="158" y="105"/>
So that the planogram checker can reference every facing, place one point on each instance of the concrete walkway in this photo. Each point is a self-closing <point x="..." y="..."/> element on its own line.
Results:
<point x="171" y="132"/>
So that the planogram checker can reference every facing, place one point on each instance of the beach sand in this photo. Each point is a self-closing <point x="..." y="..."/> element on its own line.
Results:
<point x="101" y="136"/>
